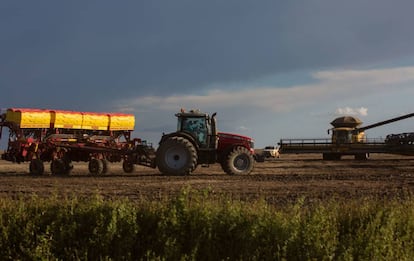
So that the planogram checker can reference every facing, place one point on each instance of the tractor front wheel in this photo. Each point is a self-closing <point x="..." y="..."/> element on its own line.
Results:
<point x="238" y="162"/>
<point x="176" y="156"/>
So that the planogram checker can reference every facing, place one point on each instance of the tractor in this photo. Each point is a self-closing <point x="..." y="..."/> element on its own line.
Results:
<point x="197" y="142"/>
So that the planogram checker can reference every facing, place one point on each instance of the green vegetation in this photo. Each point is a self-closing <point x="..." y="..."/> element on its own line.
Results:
<point x="199" y="226"/>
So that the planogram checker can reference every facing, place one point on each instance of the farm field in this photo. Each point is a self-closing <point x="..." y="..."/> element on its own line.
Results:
<point x="278" y="181"/>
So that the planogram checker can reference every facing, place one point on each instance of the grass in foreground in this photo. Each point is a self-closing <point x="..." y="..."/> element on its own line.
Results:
<point x="194" y="226"/>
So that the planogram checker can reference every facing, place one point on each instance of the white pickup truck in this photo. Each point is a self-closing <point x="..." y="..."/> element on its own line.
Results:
<point x="271" y="152"/>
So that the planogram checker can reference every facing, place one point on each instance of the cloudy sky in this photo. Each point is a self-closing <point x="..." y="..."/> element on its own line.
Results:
<point x="270" y="69"/>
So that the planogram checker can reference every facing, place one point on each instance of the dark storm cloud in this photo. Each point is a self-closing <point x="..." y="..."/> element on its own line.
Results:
<point x="76" y="54"/>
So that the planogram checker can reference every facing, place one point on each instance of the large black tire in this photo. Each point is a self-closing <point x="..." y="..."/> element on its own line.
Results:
<point x="128" y="166"/>
<point x="95" y="166"/>
<point x="176" y="156"/>
<point x="36" y="167"/>
<point x="58" y="167"/>
<point x="238" y="162"/>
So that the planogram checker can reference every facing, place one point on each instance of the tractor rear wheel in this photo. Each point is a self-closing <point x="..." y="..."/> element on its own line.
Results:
<point x="36" y="167"/>
<point x="176" y="156"/>
<point x="95" y="166"/>
<point x="238" y="162"/>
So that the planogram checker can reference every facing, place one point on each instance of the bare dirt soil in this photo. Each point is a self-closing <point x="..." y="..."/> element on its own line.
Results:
<point x="278" y="181"/>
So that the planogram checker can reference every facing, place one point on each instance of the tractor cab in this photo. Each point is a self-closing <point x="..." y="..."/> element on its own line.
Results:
<point x="200" y="126"/>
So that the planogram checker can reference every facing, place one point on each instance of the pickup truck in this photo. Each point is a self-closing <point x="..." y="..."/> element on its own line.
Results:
<point x="271" y="152"/>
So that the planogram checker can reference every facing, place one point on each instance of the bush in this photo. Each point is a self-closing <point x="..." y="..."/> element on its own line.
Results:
<point x="199" y="226"/>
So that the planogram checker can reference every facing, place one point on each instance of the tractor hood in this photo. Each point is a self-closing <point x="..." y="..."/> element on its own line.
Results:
<point x="226" y="135"/>
<point x="230" y="139"/>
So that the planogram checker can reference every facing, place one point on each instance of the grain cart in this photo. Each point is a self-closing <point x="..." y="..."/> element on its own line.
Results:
<point x="196" y="142"/>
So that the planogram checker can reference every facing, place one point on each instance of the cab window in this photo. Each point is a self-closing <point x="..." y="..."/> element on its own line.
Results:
<point x="197" y="126"/>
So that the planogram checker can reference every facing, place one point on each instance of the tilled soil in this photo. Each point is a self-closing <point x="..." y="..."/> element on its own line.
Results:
<point x="277" y="181"/>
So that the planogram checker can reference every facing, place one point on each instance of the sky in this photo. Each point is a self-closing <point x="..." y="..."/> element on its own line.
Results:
<point x="270" y="69"/>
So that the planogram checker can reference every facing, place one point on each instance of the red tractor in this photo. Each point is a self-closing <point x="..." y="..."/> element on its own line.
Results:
<point x="197" y="141"/>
